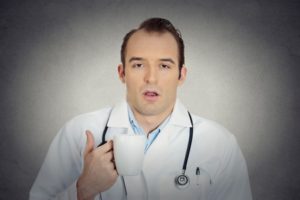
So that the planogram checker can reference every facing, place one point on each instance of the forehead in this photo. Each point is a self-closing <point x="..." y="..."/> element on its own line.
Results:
<point x="152" y="45"/>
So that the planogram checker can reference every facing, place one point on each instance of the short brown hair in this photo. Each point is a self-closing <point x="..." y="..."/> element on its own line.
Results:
<point x="159" y="25"/>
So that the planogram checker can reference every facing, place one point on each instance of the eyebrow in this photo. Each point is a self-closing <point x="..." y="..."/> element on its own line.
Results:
<point x="135" y="59"/>
<point x="162" y="59"/>
<point x="167" y="60"/>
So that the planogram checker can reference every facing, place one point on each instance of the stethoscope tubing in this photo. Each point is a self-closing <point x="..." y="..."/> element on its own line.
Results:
<point x="188" y="149"/>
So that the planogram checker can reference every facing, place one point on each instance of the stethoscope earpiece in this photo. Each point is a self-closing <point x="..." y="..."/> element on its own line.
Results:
<point x="182" y="181"/>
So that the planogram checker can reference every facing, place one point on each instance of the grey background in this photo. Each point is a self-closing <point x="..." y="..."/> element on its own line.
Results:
<point x="58" y="59"/>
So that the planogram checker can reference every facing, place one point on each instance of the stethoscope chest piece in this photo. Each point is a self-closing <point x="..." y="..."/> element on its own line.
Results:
<point x="182" y="181"/>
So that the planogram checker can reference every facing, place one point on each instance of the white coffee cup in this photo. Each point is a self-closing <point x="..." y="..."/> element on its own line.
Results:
<point x="129" y="153"/>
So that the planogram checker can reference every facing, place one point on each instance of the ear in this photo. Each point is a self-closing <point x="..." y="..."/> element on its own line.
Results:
<point x="183" y="75"/>
<point x="121" y="72"/>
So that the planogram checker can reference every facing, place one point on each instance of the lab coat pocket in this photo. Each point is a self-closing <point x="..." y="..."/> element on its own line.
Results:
<point x="201" y="183"/>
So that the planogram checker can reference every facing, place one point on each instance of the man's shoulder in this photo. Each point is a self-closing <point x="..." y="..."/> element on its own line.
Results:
<point x="213" y="139"/>
<point x="93" y="118"/>
<point x="100" y="114"/>
<point x="211" y="129"/>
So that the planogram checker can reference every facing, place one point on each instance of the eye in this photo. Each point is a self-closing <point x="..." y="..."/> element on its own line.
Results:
<point x="164" y="66"/>
<point x="137" y="65"/>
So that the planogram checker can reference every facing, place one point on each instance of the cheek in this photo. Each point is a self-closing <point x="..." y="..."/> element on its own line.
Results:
<point x="132" y="86"/>
<point x="171" y="84"/>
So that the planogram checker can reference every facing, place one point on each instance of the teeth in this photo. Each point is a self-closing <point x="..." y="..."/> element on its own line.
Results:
<point x="151" y="93"/>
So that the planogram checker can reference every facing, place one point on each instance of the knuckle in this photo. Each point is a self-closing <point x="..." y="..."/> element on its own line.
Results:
<point x="109" y="145"/>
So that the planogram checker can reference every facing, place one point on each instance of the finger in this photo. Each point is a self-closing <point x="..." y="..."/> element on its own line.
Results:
<point x="111" y="166"/>
<point x="109" y="156"/>
<point x="89" y="143"/>
<point x="105" y="147"/>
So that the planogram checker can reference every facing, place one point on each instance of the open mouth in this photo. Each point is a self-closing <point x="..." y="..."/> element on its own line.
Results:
<point x="150" y="93"/>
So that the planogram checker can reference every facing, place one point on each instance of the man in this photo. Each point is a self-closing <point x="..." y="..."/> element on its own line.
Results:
<point x="152" y="68"/>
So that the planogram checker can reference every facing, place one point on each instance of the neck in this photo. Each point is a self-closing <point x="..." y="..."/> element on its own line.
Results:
<point x="151" y="122"/>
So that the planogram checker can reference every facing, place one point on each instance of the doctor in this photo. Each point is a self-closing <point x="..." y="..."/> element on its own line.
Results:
<point x="152" y="69"/>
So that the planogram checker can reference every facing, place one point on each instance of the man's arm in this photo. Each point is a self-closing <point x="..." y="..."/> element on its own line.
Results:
<point x="232" y="181"/>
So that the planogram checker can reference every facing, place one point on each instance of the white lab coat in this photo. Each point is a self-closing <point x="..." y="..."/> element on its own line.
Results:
<point x="223" y="171"/>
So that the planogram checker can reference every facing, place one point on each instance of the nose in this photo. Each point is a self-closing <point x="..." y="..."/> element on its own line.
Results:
<point x="151" y="75"/>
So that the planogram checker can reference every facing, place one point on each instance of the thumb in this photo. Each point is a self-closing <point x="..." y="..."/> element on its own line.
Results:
<point x="89" y="142"/>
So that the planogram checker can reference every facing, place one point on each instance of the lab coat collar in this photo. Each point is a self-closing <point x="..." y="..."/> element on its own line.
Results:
<point x="119" y="116"/>
<point x="180" y="116"/>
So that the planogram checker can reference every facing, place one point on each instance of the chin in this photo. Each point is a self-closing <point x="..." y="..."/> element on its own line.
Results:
<point x="149" y="111"/>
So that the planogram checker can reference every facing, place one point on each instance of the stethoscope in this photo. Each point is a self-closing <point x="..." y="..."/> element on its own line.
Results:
<point x="182" y="181"/>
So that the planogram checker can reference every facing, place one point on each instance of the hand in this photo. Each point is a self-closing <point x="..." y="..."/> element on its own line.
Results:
<point x="99" y="171"/>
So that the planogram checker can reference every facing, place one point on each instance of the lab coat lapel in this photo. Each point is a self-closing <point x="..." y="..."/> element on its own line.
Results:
<point x="155" y="155"/>
<point x="118" y="122"/>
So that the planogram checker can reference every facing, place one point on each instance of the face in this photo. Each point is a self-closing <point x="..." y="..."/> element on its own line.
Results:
<point x="151" y="72"/>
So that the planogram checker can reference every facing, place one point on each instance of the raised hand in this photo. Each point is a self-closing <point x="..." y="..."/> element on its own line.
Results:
<point x="99" y="172"/>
